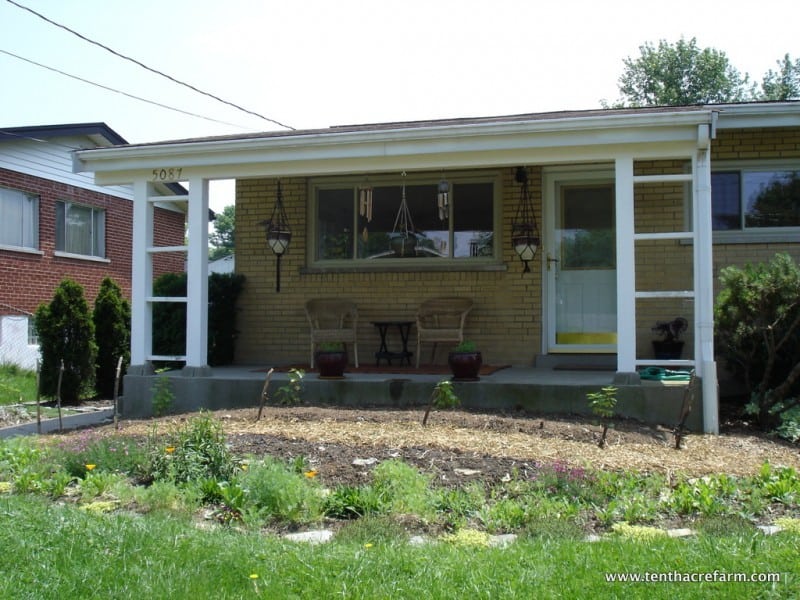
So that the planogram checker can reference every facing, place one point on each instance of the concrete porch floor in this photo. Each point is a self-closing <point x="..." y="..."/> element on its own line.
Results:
<point x="535" y="390"/>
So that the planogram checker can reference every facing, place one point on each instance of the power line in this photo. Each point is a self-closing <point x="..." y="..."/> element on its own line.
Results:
<point x="156" y="71"/>
<point x="116" y="91"/>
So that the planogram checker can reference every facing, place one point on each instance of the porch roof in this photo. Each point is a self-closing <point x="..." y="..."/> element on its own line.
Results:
<point x="544" y="138"/>
<point x="582" y="136"/>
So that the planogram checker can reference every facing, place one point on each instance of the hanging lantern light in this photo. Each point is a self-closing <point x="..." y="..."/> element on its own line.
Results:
<point x="524" y="231"/>
<point x="278" y="234"/>
<point x="443" y="199"/>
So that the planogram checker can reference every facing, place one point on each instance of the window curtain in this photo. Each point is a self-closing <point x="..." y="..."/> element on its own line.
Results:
<point x="80" y="229"/>
<point x="18" y="219"/>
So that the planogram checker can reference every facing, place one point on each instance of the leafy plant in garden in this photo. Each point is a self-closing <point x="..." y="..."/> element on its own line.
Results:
<point x="757" y="316"/>
<point x="290" y="393"/>
<point x="163" y="397"/>
<point x="352" y="502"/>
<point x="402" y="488"/>
<point x="443" y="396"/>
<point x="66" y="333"/>
<point x="195" y="451"/>
<point x="273" y="491"/>
<point x="602" y="404"/>
<point x="118" y="454"/>
<point x="112" y="333"/>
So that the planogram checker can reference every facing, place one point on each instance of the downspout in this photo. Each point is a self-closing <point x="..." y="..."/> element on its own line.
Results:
<point x="704" y="277"/>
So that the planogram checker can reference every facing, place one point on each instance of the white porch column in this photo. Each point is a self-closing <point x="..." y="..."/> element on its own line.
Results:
<point x="704" y="288"/>
<point x="626" y="267"/>
<point x="197" y="278"/>
<point x="141" y="277"/>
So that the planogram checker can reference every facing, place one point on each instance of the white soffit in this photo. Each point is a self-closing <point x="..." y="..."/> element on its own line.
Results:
<point x="424" y="146"/>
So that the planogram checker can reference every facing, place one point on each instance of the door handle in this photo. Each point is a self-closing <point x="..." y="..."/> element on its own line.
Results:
<point x="550" y="260"/>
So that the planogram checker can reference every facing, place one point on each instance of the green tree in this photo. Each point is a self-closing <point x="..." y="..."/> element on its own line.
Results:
<point x="783" y="84"/>
<point x="66" y="332"/>
<point x="222" y="240"/>
<point x="680" y="74"/>
<point x="112" y="328"/>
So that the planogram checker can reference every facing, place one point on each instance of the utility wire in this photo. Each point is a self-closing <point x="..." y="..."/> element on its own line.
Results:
<point x="116" y="91"/>
<point x="157" y="72"/>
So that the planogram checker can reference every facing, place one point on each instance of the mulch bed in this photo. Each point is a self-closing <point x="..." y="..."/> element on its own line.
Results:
<point x="459" y="446"/>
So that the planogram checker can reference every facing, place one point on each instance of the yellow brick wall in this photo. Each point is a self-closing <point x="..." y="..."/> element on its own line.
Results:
<point x="505" y="322"/>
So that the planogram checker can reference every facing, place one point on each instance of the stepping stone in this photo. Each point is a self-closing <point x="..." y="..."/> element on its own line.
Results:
<point x="501" y="541"/>
<point x="769" y="529"/>
<point x="311" y="537"/>
<point x="676" y="533"/>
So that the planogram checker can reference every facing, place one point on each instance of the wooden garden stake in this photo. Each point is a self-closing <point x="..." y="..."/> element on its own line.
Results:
<point x="264" y="394"/>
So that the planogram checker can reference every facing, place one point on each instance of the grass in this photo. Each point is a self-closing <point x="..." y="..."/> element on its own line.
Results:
<point x="60" y="551"/>
<point x="16" y="385"/>
<point x="99" y="515"/>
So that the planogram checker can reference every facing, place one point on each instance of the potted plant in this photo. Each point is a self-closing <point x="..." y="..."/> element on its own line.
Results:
<point x="465" y="362"/>
<point x="331" y="359"/>
<point x="670" y="346"/>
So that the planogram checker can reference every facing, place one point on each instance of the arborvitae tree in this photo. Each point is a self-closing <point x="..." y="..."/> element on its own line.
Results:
<point x="169" y="318"/>
<point x="66" y="332"/>
<point x="223" y="294"/>
<point x="112" y="334"/>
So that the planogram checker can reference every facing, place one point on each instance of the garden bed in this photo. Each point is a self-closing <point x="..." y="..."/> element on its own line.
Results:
<point x="460" y="446"/>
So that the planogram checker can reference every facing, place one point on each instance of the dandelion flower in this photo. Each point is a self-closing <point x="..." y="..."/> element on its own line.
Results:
<point x="368" y="545"/>
<point x="170" y="449"/>
<point x="90" y="467"/>
<point x="253" y="575"/>
<point x="311" y="474"/>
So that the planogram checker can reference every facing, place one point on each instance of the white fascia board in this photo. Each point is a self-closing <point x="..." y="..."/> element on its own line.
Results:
<point x="746" y="116"/>
<point x="429" y="146"/>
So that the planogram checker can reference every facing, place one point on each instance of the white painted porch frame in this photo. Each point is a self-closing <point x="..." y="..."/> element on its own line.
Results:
<point x="196" y="299"/>
<point x="701" y="239"/>
<point x="576" y="139"/>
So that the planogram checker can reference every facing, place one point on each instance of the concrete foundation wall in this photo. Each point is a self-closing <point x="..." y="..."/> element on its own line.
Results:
<point x="649" y="402"/>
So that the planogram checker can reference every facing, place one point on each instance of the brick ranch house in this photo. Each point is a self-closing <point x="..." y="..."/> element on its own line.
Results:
<point x="636" y="210"/>
<point x="55" y="223"/>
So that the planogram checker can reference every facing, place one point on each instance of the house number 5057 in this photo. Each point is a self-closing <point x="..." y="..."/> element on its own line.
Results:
<point x="171" y="174"/>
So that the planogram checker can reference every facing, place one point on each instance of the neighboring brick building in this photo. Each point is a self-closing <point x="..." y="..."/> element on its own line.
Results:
<point x="56" y="224"/>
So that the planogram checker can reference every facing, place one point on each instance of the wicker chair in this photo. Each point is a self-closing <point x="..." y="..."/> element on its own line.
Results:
<point x="441" y="320"/>
<point x="333" y="320"/>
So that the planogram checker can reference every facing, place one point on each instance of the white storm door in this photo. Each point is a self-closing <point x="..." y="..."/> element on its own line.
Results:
<point x="581" y="268"/>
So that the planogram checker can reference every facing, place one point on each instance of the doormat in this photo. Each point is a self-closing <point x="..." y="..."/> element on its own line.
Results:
<point x="391" y="369"/>
<point x="574" y="367"/>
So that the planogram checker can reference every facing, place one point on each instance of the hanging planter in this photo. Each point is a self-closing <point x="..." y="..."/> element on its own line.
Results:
<point x="403" y="240"/>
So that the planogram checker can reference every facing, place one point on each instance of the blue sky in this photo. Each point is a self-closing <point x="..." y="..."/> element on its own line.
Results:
<point x="318" y="63"/>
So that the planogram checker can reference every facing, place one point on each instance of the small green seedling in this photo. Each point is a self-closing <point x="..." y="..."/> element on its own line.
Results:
<point x="443" y="396"/>
<point x="290" y="393"/>
<point x="602" y="404"/>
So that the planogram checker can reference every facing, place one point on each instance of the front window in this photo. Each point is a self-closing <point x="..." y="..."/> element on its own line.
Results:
<point x="362" y="222"/>
<point x="755" y="199"/>
<point x="80" y="230"/>
<point x="19" y="219"/>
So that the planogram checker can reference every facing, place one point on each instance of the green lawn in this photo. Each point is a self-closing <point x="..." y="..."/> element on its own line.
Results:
<point x="98" y="514"/>
<point x="16" y="385"/>
<point x="59" y="551"/>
